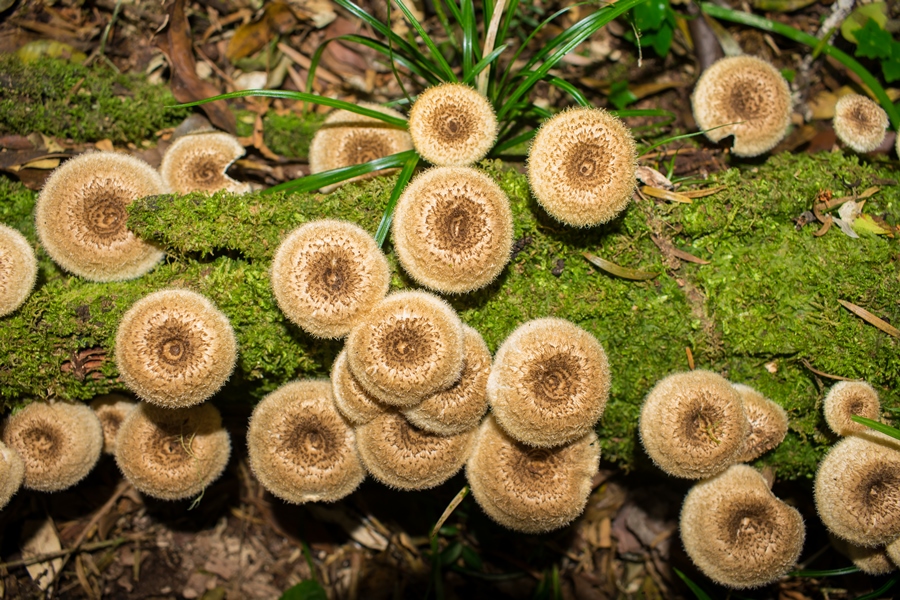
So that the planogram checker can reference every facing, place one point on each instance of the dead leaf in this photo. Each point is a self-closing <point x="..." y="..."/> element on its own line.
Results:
<point x="105" y="145"/>
<point x="41" y="539"/>
<point x="250" y="38"/>
<point x="702" y="193"/>
<point x="656" y="192"/>
<point x="320" y="12"/>
<point x="623" y="272"/>
<point x="870" y="318"/>
<point x="650" y="176"/>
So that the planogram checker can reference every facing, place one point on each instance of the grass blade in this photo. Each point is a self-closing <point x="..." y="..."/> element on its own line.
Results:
<point x="614" y="269"/>
<point x="827" y="573"/>
<point x="881" y="427"/>
<point x="435" y="52"/>
<point x="318" y="180"/>
<point x="698" y="591"/>
<point x="481" y="64"/>
<point x="397" y="56"/>
<point x="384" y="227"/>
<point x="470" y="35"/>
<point x="449" y="510"/>
<point x="879" y="593"/>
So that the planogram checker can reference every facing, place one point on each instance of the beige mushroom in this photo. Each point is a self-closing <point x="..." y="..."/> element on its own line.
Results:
<point x="18" y="269"/>
<point x="197" y="163"/>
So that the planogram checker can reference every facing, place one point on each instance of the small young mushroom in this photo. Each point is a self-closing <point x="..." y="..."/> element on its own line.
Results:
<point x="327" y="275"/>
<point x="453" y="229"/>
<point x="768" y="423"/>
<point x="871" y="561"/>
<point x="860" y="123"/>
<point x="452" y="125"/>
<point x="18" y="269"/>
<point x="111" y="409"/>
<point x="197" y="163"/>
<point x="746" y="97"/>
<point x="848" y="398"/>
<point x="353" y="401"/>
<point x="174" y="348"/>
<point x="82" y="211"/>
<point x="301" y="449"/>
<point x="12" y="473"/>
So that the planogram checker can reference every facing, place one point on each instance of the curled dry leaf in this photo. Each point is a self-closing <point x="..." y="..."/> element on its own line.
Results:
<point x="614" y="269"/>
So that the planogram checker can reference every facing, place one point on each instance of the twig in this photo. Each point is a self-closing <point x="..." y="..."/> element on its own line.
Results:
<point x="68" y="552"/>
<point x="108" y="28"/>
<point x="489" y="40"/>
<point x="823" y="374"/>
<point x="450" y="507"/>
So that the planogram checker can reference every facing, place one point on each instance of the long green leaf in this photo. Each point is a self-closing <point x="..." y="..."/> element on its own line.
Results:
<point x="435" y="52"/>
<point x="384" y="227"/>
<point x="698" y="591"/>
<point x="881" y="427"/>
<point x="386" y="31"/>
<point x="305" y="590"/>
<point x="470" y="35"/>
<point x="880" y="592"/>
<point x="826" y="573"/>
<point x="318" y="180"/>
<point x="481" y="64"/>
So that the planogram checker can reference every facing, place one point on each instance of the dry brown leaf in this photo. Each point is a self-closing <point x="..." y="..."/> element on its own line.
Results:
<point x="870" y="318"/>
<point x="623" y="272"/>
<point x="656" y="192"/>
<point x="41" y="539"/>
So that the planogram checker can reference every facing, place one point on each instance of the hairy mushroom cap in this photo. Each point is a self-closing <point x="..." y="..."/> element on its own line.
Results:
<point x="860" y="123"/>
<point x="172" y="453"/>
<point x="693" y="424"/>
<point x="461" y="406"/>
<point x="746" y="97"/>
<point x="453" y="229"/>
<point x="12" y="472"/>
<point x="857" y="489"/>
<point x="81" y="216"/>
<point x="768" y="423"/>
<point x="408" y="347"/>
<point x="848" y="398"/>
<point x="871" y="561"/>
<point x="549" y="383"/>
<point x="301" y="448"/>
<point x="452" y="125"/>
<point x="403" y="457"/>
<point x="59" y="443"/>
<point x="737" y="532"/>
<point x="111" y="409"/>
<point x="18" y="269"/>
<point x="581" y="166"/>
<point x="174" y="348"/>
<point x="892" y="549"/>
<point x="327" y="275"/>
<point x="353" y="401"/>
<point x="346" y="139"/>
<point x="197" y="163"/>
<point x="531" y="490"/>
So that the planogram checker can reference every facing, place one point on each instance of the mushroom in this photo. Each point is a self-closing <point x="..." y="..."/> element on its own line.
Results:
<point x="581" y="166"/>
<point x="453" y="229"/>
<point x="860" y="123"/>
<point x="768" y="423"/>
<point x="452" y="125"/>
<point x="549" y="383"/>
<point x="746" y="97"/>
<point x="111" y="409"/>
<point x="737" y="532"/>
<point x="848" y="398"/>
<point x="327" y="275"/>
<point x="198" y="162"/>
<point x="301" y="449"/>
<point x="693" y="424"/>
<point x="893" y="551"/>
<point x="174" y="348"/>
<point x="871" y="561"/>
<point x="12" y="472"/>
<point x="172" y="453"/>
<point x="18" y="269"/>
<point x="353" y="401"/>
<point x="58" y="443"/>
<point x="531" y="490"/>
<point x="81" y="216"/>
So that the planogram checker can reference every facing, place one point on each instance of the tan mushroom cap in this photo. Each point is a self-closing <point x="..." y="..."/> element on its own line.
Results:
<point x="18" y="269"/>
<point x="857" y="489"/>
<point x="301" y="448"/>
<point x="746" y="97"/>
<point x="461" y="406"/>
<point x="406" y="458"/>
<point x="111" y="409"/>
<point x="693" y="424"/>
<point x="768" y="423"/>
<point x="581" y="166"/>
<point x="197" y="163"/>
<point x="549" y="383"/>
<point x="172" y="453"/>
<point x="892" y="550"/>
<point x="327" y="275"/>
<point x="737" y="532"/>
<point x="174" y="348"/>
<point x="860" y="123"/>
<point x="848" y="398"/>
<point x="871" y="561"/>
<point x="453" y="229"/>
<point x="353" y="401"/>
<point x="531" y="490"/>
<point x="81" y="216"/>
<point x="452" y="125"/>
<point x="12" y="473"/>
<point x="408" y="347"/>
<point x="58" y="443"/>
<point x="347" y="139"/>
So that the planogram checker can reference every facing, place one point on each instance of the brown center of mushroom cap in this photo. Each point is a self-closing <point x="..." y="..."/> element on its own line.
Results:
<point x="361" y="146"/>
<point x="458" y="223"/>
<point x="310" y="440"/>
<point x="206" y="171"/>
<point x="104" y="213"/>
<point x="175" y="344"/>
<point x="586" y="166"/>
<point x="879" y="492"/>
<point x="452" y="123"/>
<point x="746" y="100"/>
<point x="554" y="379"/>
<point x="702" y="422"/>
<point x="170" y="446"/>
<point x="331" y="277"/>
<point x="750" y="524"/>
<point x="406" y="343"/>
<point x="42" y="441"/>
<point x="409" y="442"/>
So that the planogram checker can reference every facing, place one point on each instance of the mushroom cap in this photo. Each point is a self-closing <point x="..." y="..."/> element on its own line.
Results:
<point x="549" y="383"/>
<point x="12" y="472"/>
<point x="453" y="229"/>
<point x="81" y="216"/>
<point x="857" y="489"/>
<point x="581" y="166"/>
<point x="301" y="448"/>
<point x="737" y="532"/>
<point x="172" y="453"/>
<point x="848" y="398"/>
<point x="693" y="424"/>
<point x="892" y="550"/>
<point x="531" y="490"/>
<point x="408" y="347"/>
<point x="461" y="406"/>
<point x="327" y="275"/>
<point x="18" y="269"/>
<point x="768" y="423"/>
<point x="746" y="97"/>
<point x="871" y="561"/>
<point x="860" y="123"/>
<point x="347" y="138"/>
<point x="452" y="125"/>
<point x="353" y="401"/>
<point x="174" y="348"/>
<point x="197" y="163"/>
<point x="58" y="443"/>
<point x="406" y="458"/>
<point x="111" y="409"/>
